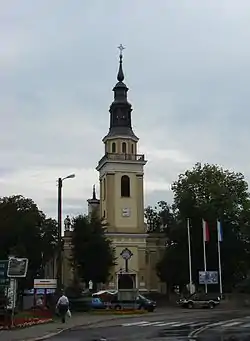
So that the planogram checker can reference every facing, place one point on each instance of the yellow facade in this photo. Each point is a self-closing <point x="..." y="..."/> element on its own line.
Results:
<point x="124" y="215"/>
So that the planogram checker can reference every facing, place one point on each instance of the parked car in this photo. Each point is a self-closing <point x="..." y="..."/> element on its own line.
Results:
<point x="200" y="300"/>
<point x="141" y="302"/>
<point x="145" y="303"/>
<point x="109" y="298"/>
<point x="97" y="303"/>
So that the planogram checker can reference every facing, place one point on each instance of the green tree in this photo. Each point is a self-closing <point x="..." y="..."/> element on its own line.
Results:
<point x="92" y="252"/>
<point x="210" y="192"/>
<point x="26" y="232"/>
<point x="160" y="217"/>
<point x="163" y="218"/>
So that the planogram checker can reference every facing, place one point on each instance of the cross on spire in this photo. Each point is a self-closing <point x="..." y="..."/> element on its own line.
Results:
<point x="121" y="48"/>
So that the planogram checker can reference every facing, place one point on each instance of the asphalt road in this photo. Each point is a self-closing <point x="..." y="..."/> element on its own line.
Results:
<point x="178" y="326"/>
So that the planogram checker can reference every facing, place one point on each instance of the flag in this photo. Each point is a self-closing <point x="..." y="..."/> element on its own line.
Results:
<point x="205" y="230"/>
<point x="219" y="231"/>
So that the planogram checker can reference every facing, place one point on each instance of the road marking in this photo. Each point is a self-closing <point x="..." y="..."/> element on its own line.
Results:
<point x="181" y="324"/>
<point x="172" y="324"/>
<point x="166" y="324"/>
<point x="151" y="324"/>
<point x="218" y="323"/>
<point x="156" y="324"/>
<point x="247" y="325"/>
<point x="231" y="324"/>
<point x="134" y="323"/>
<point x="198" y="324"/>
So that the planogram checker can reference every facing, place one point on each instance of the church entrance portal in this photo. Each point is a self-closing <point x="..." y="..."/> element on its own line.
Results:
<point x="126" y="281"/>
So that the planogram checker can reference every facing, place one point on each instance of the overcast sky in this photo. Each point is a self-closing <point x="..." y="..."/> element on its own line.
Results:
<point x="186" y="63"/>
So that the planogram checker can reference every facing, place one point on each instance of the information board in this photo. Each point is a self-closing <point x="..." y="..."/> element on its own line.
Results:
<point x="45" y="283"/>
<point x="208" y="277"/>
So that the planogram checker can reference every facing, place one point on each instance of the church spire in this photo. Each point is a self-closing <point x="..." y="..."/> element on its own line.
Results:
<point x="93" y="203"/>
<point x="120" y="75"/>
<point x="94" y="193"/>
<point x="120" y="110"/>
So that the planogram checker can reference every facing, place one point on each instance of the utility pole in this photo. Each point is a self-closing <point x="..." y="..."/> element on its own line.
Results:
<point x="59" y="232"/>
<point x="59" y="236"/>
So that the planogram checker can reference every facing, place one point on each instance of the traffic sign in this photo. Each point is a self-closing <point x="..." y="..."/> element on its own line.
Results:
<point x="17" y="267"/>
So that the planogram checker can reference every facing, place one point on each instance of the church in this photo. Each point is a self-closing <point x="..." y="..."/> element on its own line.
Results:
<point x="121" y="203"/>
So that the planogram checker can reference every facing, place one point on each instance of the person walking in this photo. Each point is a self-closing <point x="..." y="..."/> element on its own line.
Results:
<point x="63" y="306"/>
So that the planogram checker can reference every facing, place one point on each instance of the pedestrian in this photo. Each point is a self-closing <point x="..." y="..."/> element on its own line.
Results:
<point x="63" y="306"/>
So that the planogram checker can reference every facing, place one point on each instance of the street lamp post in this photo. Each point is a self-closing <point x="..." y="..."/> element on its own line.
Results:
<point x="59" y="231"/>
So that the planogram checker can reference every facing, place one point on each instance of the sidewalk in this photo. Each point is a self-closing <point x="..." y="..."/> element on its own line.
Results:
<point x="39" y="331"/>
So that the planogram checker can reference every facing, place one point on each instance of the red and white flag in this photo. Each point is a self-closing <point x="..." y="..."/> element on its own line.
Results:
<point x="205" y="230"/>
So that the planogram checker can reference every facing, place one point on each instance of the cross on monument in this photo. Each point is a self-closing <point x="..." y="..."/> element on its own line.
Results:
<point x="121" y="48"/>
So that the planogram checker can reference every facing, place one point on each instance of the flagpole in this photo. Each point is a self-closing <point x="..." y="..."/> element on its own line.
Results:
<point x="219" y="237"/>
<point x="189" y="258"/>
<point x="204" y="253"/>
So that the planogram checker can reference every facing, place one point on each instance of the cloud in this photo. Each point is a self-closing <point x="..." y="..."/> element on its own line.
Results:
<point x="186" y="63"/>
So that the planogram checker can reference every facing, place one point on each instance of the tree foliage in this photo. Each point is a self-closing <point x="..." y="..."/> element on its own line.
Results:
<point x="92" y="253"/>
<point x="207" y="192"/>
<point x="159" y="218"/>
<point x="26" y="232"/>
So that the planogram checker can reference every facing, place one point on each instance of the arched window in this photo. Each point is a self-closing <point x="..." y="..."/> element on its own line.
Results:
<point x="124" y="147"/>
<point x="132" y="149"/>
<point x="125" y="186"/>
<point x="104" y="189"/>
<point x="113" y="147"/>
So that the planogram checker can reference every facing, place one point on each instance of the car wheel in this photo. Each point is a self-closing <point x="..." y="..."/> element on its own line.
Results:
<point x="211" y="305"/>
<point x="118" y="307"/>
<point x="190" y="305"/>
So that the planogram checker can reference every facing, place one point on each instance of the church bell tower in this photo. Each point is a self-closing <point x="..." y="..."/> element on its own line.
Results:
<point x="121" y="167"/>
<point x="121" y="188"/>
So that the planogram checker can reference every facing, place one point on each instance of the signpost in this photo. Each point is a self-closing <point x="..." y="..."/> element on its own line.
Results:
<point x="17" y="268"/>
